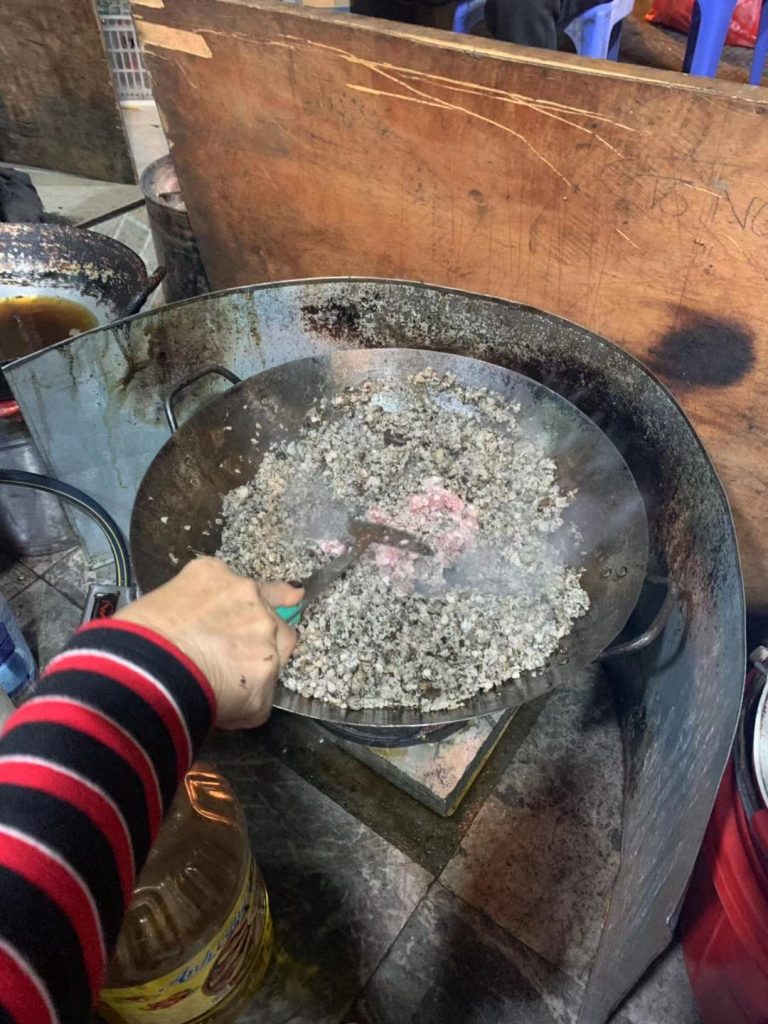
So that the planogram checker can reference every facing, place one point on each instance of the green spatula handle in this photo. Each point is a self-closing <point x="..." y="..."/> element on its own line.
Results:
<point x="291" y="614"/>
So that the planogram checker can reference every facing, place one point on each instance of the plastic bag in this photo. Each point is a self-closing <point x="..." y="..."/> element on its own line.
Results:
<point x="677" y="14"/>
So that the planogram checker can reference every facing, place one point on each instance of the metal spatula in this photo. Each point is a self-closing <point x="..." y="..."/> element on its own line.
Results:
<point x="363" y="534"/>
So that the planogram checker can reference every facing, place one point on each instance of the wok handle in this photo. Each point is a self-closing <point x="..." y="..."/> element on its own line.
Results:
<point x="186" y="382"/>
<point x="141" y="296"/>
<point x="647" y="637"/>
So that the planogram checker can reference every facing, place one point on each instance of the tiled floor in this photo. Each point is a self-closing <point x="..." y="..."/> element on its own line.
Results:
<point x="46" y="617"/>
<point x="15" y="578"/>
<point x="340" y="893"/>
<point x="72" y="576"/>
<point x="664" y="994"/>
<point x="46" y="594"/>
<point x="447" y="955"/>
<point x="556" y="809"/>
<point x="79" y="199"/>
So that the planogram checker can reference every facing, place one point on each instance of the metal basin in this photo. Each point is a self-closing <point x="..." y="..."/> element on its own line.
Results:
<point x="678" y="699"/>
<point x="110" y="281"/>
<point x="55" y="260"/>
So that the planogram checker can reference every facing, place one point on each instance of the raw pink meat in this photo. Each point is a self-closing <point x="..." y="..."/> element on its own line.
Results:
<point x="333" y="548"/>
<point x="447" y="522"/>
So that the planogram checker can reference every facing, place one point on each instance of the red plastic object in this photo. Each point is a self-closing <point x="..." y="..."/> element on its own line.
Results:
<point x="725" y="918"/>
<point x="8" y="409"/>
<point x="742" y="32"/>
<point x="760" y="828"/>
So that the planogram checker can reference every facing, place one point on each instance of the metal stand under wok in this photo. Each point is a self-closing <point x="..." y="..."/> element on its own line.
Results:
<point x="678" y="698"/>
<point x="394" y="738"/>
<point x="435" y="765"/>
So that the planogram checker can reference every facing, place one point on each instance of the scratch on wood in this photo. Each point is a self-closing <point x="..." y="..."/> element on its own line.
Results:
<point x="157" y="4"/>
<point x="434" y="101"/>
<point x="167" y="38"/>
<point x="726" y="237"/>
<point x="459" y="85"/>
<point x="179" y="64"/>
<point x="426" y="98"/>
<point x="466" y="86"/>
<point x="522" y="101"/>
<point x="627" y="238"/>
<point x="266" y="175"/>
<point x="512" y="97"/>
<point x="184" y="72"/>
<point x="547" y="108"/>
<point x="396" y="95"/>
<point x="700" y="188"/>
<point x="543" y="106"/>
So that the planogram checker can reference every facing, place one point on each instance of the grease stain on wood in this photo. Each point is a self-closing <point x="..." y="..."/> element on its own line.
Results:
<point x="705" y="352"/>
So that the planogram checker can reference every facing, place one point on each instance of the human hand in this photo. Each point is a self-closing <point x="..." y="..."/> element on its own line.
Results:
<point x="226" y="624"/>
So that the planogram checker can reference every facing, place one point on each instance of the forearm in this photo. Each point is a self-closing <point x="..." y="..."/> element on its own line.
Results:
<point x="88" y="768"/>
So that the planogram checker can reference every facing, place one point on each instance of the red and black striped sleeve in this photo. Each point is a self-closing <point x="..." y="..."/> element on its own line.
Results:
<point x="88" y="768"/>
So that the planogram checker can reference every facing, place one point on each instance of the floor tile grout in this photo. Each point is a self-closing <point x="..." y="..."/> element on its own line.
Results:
<point x="61" y="593"/>
<point x="434" y="880"/>
<point x="490" y="925"/>
<point x="61" y="555"/>
<point x="24" y="589"/>
<point x="346" y="810"/>
<point x="37" y="578"/>
<point x="487" y="920"/>
<point x="390" y="947"/>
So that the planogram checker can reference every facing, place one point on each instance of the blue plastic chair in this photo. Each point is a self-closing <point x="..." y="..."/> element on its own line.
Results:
<point x="761" y="48"/>
<point x="596" y="33"/>
<point x="706" y="36"/>
<point x="468" y="15"/>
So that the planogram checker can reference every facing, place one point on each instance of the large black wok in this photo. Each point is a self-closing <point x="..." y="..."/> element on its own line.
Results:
<point x="179" y="500"/>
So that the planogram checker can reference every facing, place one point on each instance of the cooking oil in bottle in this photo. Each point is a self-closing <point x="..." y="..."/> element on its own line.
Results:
<point x="196" y="941"/>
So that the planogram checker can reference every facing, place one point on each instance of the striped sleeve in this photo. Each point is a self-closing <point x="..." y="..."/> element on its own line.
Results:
<point x="88" y="768"/>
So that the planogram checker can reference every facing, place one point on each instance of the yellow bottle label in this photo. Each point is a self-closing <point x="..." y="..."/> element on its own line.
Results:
<point x="198" y="986"/>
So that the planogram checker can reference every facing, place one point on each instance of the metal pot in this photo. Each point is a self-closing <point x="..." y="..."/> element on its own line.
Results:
<point x="110" y="281"/>
<point x="175" y="242"/>
<point x="103" y="275"/>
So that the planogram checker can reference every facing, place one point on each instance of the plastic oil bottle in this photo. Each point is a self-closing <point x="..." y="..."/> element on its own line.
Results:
<point x="17" y="666"/>
<point x="196" y="941"/>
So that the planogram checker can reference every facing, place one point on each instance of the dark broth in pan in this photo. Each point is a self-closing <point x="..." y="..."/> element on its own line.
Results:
<point x="29" y="323"/>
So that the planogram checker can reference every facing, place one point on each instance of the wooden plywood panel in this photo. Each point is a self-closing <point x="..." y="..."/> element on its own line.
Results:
<point x="58" y="108"/>
<point x="630" y="201"/>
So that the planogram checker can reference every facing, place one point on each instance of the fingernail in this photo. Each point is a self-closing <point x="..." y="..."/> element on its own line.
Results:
<point x="296" y="584"/>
